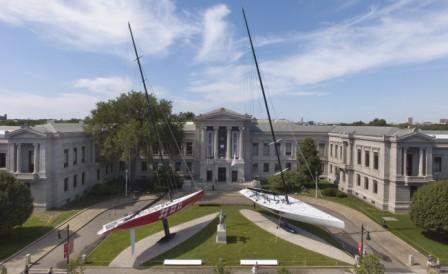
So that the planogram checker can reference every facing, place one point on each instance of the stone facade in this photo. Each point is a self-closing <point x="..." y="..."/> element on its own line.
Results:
<point x="382" y="165"/>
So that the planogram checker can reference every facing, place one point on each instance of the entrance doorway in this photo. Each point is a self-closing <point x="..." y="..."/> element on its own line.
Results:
<point x="234" y="176"/>
<point x="222" y="174"/>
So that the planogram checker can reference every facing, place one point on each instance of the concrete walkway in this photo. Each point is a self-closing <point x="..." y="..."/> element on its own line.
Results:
<point x="42" y="246"/>
<point x="149" y="247"/>
<point x="383" y="243"/>
<point x="303" y="238"/>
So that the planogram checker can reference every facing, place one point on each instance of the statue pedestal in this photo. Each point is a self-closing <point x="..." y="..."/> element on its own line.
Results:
<point x="221" y="234"/>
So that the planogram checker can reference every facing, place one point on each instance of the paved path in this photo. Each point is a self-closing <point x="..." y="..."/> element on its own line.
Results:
<point x="86" y="239"/>
<point x="303" y="238"/>
<point x="149" y="247"/>
<point x="41" y="247"/>
<point x="392" y="250"/>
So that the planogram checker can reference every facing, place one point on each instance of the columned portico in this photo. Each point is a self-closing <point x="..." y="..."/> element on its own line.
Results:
<point x="19" y="158"/>
<point x="215" y="146"/>
<point x="228" y="146"/>
<point x="36" y="158"/>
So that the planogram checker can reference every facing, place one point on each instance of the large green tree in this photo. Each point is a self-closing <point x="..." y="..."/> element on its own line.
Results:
<point x="429" y="207"/>
<point x="123" y="129"/>
<point x="16" y="203"/>
<point x="294" y="182"/>
<point x="370" y="264"/>
<point x="308" y="160"/>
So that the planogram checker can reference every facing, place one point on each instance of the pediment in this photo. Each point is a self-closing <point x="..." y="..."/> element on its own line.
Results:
<point x="223" y="114"/>
<point x="25" y="133"/>
<point x="416" y="137"/>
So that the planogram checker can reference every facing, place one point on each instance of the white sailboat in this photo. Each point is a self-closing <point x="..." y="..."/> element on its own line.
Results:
<point x="282" y="204"/>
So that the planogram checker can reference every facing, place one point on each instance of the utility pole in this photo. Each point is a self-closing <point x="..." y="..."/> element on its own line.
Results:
<point x="362" y="241"/>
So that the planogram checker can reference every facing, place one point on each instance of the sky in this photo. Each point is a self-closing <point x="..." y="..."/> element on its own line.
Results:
<point x="326" y="60"/>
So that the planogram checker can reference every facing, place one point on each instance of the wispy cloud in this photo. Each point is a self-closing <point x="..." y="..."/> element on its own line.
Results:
<point x="106" y="85"/>
<point x="101" y="26"/>
<point x="218" y="43"/>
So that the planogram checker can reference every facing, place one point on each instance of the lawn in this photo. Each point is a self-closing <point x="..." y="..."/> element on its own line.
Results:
<point x="403" y="227"/>
<point x="246" y="240"/>
<point x="40" y="223"/>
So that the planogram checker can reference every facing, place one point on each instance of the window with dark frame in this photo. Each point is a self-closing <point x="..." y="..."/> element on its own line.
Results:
<point x="65" y="184"/>
<point x="366" y="183"/>
<point x="2" y="160"/>
<point x="359" y="156"/>
<point x="189" y="148"/>
<point x="144" y="166"/>
<point x="66" y="157"/>
<point x="288" y="149"/>
<point x="75" y="156"/>
<point x="375" y="186"/>
<point x="437" y="164"/>
<point x="375" y="160"/>
<point x="266" y="149"/>
<point x="266" y="167"/>
<point x="75" y="180"/>
<point x="358" y="180"/>
<point x="254" y="149"/>
<point x="367" y="158"/>
<point x="83" y="154"/>
<point x="83" y="178"/>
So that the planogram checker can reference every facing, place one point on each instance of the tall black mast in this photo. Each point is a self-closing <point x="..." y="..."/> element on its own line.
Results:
<point x="151" y="114"/>
<point x="267" y="108"/>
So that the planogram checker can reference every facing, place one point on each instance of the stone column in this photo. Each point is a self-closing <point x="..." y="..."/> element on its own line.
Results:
<point x="36" y="158"/>
<point x="203" y="144"/>
<point x="229" y="143"/>
<point x="240" y="145"/>
<point x="215" y="139"/>
<point x="405" y="162"/>
<point x="19" y="158"/>
<point x="429" y="161"/>
<point x="420" y="162"/>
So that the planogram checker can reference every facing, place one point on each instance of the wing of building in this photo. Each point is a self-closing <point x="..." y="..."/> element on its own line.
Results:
<point x="382" y="165"/>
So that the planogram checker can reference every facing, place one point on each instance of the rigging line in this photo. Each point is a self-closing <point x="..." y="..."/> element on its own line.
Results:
<point x="150" y="112"/>
<point x="267" y="108"/>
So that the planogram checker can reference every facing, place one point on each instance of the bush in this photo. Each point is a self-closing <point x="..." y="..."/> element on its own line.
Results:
<point x="283" y="270"/>
<point x="429" y="207"/>
<point x="330" y="192"/>
<point x="110" y="188"/>
<point x="370" y="264"/>
<point x="16" y="203"/>
<point x="341" y="194"/>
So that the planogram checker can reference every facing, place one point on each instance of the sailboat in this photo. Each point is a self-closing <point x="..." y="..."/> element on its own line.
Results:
<point x="281" y="204"/>
<point x="151" y="214"/>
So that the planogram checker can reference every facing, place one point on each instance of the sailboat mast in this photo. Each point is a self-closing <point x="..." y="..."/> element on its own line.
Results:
<point x="151" y="113"/>
<point x="267" y="108"/>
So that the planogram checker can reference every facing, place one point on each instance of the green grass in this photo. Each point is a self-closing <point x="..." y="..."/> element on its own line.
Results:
<point x="40" y="223"/>
<point x="245" y="240"/>
<point x="404" y="228"/>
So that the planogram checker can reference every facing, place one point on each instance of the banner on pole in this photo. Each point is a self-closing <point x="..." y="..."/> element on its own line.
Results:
<point x="68" y="248"/>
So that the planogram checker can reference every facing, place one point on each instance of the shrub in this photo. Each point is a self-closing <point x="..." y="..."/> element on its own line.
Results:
<point x="429" y="207"/>
<point x="109" y="188"/>
<point x="283" y="270"/>
<point x="341" y="194"/>
<point x="293" y="180"/>
<point x="331" y="192"/>
<point x="16" y="203"/>
<point x="370" y="264"/>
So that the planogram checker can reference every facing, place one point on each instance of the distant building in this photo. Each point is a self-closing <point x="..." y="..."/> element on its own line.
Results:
<point x="427" y="123"/>
<point x="4" y="117"/>
<point x="444" y="121"/>
<point x="410" y="120"/>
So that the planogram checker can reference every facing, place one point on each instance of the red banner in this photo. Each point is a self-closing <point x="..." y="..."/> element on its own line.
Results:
<point x="360" y="248"/>
<point x="68" y="248"/>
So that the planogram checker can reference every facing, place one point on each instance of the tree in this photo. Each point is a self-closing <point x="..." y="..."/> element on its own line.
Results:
<point x="378" y="122"/>
<point x="283" y="270"/>
<point x="308" y="160"/>
<point x="293" y="180"/>
<point x="370" y="264"/>
<point x="429" y="207"/>
<point x="16" y="203"/>
<point x="186" y="116"/>
<point x="123" y="130"/>
<point x="358" y="123"/>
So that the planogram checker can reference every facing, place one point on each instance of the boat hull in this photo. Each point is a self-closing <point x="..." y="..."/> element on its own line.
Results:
<point x="153" y="214"/>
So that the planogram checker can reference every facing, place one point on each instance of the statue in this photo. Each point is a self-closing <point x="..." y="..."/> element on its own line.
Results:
<point x="221" y="235"/>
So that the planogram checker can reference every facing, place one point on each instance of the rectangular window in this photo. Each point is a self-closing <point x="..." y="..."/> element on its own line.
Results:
<point x="375" y="160"/>
<point x="331" y="150"/>
<point x="266" y="149"/>
<point x="75" y="156"/>
<point x="322" y="149"/>
<point x="366" y="183"/>
<point x="83" y="178"/>
<point x="266" y="167"/>
<point x="375" y="186"/>
<point x="2" y="160"/>
<point x="288" y="149"/>
<point x="358" y="180"/>
<point x="359" y="156"/>
<point x="75" y="180"/>
<point x="98" y="174"/>
<point x="367" y="159"/>
<point x="254" y="149"/>
<point x="83" y="154"/>
<point x="65" y="157"/>
<point x="255" y="168"/>
<point x="177" y="166"/>
<point x="276" y="167"/>
<point x="331" y="168"/>
<point x="209" y="144"/>
<point x="209" y="175"/>
<point x="189" y="166"/>
<point x="144" y="166"/>
<point x="189" y="148"/>
<point x="288" y="165"/>
<point x="65" y="184"/>
<point x="437" y="166"/>
<point x="336" y="151"/>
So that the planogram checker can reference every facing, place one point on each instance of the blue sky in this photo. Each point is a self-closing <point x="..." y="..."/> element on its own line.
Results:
<point x="328" y="61"/>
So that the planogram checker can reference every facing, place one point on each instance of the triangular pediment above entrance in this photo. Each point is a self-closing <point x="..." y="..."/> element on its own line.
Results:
<point x="25" y="133"/>
<point x="222" y="114"/>
<point x="416" y="137"/>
